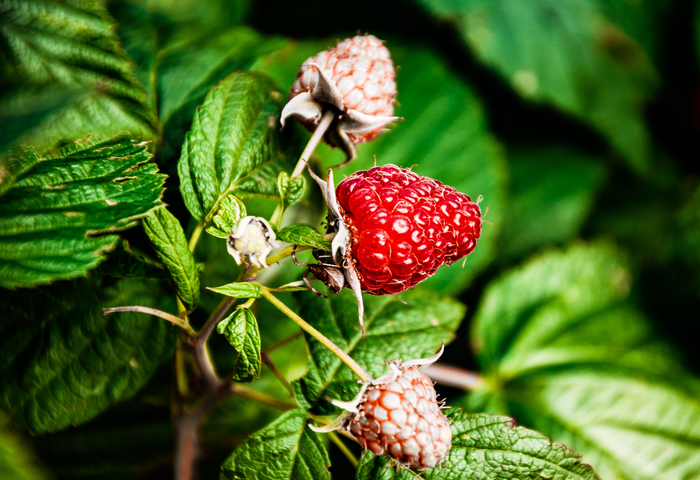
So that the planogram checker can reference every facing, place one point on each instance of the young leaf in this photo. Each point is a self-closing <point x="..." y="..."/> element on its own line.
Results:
<point x="241" y="330"/>
<point x="393" y="330"/>
<point x="231" y="210"/>
<point x="170" y="244"/>
<point x="57" y="216"/>
<point x="290" y="191"/>
<point x="567" y="54"/>
<point x="490" y="446"/>
<point x="64" y="362"/>
<point x="239" y="290"/>
<point x="58" y="45"/>
<point x="302" y="234"/>
<point x="566" y="353"/>
<point x="465" y="155"/>
<point x="285" y="449"/>
<point x="234" y="138"/>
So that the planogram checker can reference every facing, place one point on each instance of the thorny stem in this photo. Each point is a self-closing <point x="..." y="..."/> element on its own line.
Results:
<point x="343" y="448"/>
<point x="323" y="125"/>
<point x="152" y="311"/>
<point x="344" y="357"/>
<point x="453" y="376"/>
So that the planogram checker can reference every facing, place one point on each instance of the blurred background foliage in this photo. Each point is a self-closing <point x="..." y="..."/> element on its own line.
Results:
<point x="577" y="120"/>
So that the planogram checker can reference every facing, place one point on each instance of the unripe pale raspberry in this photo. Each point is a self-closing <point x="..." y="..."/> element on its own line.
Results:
<point x="362" y="70"/>
<point x="402" y="419"/>
<point x="404" y="226"/>
<point x="252" y="241"/>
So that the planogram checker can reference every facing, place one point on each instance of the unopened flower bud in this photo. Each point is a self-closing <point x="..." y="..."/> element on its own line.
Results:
<point x="252" y="241"/>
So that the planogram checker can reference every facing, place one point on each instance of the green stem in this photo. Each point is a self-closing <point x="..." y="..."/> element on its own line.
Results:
<point x="343" y="448"/>
<point x="152" y="311"/>
<point x="194" y="239"/>
<point x="344" y="357"/>
<point x="254" y="395"/>
<point x="267" y="361"/>
<point x="283" y="342"/>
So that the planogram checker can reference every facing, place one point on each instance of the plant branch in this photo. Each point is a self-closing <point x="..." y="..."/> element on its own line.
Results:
<point x="343" y="448"/>
<point x="152" y="311"/>
<point x="215" y="317"/>
<point x="323" y="125"/>
<point x="254" y="395"/>
<point x="283" y="342"/>
<point x="194" y="239"/>
<point x="344" y="357"/>
<point x="453" y="376"/>
<point x="267" y="361"/>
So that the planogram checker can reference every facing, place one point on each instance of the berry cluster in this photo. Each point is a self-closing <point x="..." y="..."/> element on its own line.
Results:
<point x="404" y="226"/>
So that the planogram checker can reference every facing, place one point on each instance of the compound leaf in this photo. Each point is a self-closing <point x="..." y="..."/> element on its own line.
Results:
<point x="285" y="449"/>
<point x="64" y="362"/>
<point x="169" y="242"/>
<point x="241" y="330"/>
<point x="234" y="144"/>
<point x="57" y="216"/>
<point x="393" y="330"/>
<point x="566" y="53"/>
<point x="567" y="353"/>
<point x="51" y="45"/>
<point x="302" y="234"/>
<point x="491" y="446"/>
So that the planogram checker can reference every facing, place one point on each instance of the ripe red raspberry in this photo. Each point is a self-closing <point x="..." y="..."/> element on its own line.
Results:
<point x="402" y="419"/>
<point x="361" y="69"/>
<point x="404" y="226"/>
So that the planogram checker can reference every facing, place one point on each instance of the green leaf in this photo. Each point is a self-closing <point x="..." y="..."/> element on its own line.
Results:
<point x="64" y="362"/>
<point x="463" y="154"/>
<point x="125" y="262"/>
<point x="16" y="459"/>
<point x="57" y="217"/>
<point x="567" y="54"/>
<point x="393" y="330"/>
<point x="231" y="210"/>
<point x="285" y="449"/>
<point x="233" y="146"/>
<point x="567" y="353"/>
<point x="71" y="45"/>
<point x="290" y="191"/>
<point x="552" y="193"/>
<point x="239" y="290"/>
<point x="302" y="234"/>
<point x="490" y="446"/>
<point x="169" y="242"/>
<point x="241" y="330"/>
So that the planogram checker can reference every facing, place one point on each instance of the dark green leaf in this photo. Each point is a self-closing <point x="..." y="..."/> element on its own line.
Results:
<point x="566" y="353"/>
<point x="302" y="234"/>
<point x="64" y="362"/>
<point x="239" y="290"/>
<point x="70" y="45"/>
<point x="567" y="54"/>
<point x="56" y="218"/>
<point x="290" y="191"/>
<point x="393" y="330"/>
<point x="231" y="210"/>
<point x="552" y="192"/>
<point x="125" y="262"/>
<point x="233" y="146"/>
<point x="286" y="449"/>
<point x="490" y="447"/>
<point x="463" y="154"/>
<point x="16" y="459"/>
<point x="169" y="242"/>
<point x="241" y="330"/>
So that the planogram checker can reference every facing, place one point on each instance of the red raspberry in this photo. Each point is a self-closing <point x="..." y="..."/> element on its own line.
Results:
<point x="402" y="419"/>
<point x="404" y="226"/>
<point x="361" y="69"/>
